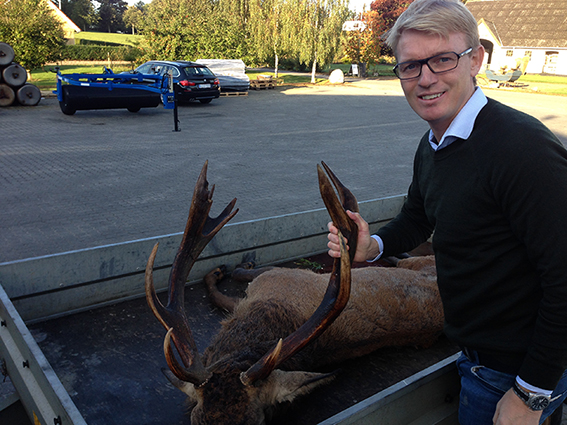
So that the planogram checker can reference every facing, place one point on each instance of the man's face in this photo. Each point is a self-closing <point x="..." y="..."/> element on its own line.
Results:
<point x="438" y="98"/>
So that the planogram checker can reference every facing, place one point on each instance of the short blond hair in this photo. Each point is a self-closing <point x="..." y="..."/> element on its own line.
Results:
<point x="441" y="17"/>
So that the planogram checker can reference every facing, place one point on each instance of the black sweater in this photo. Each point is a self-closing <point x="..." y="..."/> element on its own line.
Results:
<point x="498" y="204"/>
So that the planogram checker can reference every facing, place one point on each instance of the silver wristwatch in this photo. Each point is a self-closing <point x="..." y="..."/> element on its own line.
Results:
<point x="533" y="401"/>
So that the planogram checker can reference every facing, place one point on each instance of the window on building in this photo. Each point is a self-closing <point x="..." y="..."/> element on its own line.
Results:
<point x="509" y="53"/>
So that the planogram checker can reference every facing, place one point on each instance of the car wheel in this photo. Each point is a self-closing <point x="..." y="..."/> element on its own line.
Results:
<point x="134" y="109"/>
<point x="205" y="101"/>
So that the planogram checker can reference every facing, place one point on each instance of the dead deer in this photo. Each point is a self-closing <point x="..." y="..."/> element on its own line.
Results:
<point x="291" y="322"/>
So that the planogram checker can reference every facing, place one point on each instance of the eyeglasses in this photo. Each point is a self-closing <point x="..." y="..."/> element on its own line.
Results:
<point x="442" y="62"/>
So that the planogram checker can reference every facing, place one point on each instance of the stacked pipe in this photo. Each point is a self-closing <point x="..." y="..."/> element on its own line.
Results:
<point x="13" y="87"/>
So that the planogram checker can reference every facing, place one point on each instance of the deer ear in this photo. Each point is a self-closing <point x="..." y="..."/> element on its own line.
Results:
<point x="283" y="386"/>
<point x="187" y="387"/>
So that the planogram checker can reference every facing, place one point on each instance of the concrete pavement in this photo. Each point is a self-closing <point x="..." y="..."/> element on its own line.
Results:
<point x="109" y="176"/>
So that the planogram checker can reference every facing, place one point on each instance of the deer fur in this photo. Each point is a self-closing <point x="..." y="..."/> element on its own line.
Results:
<point x="291" y="323"/>
<point x="388" y="306"/>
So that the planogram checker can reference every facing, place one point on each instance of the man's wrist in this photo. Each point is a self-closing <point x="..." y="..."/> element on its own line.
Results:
<point x="534" y="401"/>
<point x="375" y="256"/>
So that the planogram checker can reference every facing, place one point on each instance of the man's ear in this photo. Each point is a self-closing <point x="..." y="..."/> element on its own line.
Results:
<point x="477" y="57"/>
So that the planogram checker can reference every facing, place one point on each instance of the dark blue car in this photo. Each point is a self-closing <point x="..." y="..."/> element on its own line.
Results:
<point x="194" y="81"/>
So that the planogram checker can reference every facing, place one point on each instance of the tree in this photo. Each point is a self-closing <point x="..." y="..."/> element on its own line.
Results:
<point x="81" y="12"/>
<point x="265" y="29"/>
<point x="134" y="16"/>
<point x="364" y="45"/>
<point x="321" y="26"/>
<point x="33" y="31"/>
<point x="390" y="11"/>
<point x="177" y="29"/>
<point x="110" y="13"/>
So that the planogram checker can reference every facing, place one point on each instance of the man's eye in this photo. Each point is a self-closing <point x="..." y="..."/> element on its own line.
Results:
<point x="407" y="67"/>
<point x="444" y="59"/>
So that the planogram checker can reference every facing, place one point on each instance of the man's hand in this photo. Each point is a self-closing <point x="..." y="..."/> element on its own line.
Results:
<point x="367" y="248"/>
<point x="510" y="410"/>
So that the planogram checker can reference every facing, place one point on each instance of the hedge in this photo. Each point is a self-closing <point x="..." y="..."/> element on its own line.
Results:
<point x="100" y="53"/>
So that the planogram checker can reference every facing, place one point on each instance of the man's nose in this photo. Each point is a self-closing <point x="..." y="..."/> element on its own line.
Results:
<point x="427" y="76"/>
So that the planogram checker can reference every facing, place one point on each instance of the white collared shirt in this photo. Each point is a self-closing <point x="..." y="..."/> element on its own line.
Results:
<point x="462" y="126"/>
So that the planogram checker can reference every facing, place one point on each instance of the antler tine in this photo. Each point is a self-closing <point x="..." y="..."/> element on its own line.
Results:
<point x="337" y="210"/>
<point x="348" y="200"/>
<point x="335" y="298"/>
<point x="200" y="229"/>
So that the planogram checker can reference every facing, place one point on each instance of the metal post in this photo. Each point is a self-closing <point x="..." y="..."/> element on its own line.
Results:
<point x="173" y="88"/>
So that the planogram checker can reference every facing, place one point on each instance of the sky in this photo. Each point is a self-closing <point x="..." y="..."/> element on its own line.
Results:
<point x="356" y="5"/>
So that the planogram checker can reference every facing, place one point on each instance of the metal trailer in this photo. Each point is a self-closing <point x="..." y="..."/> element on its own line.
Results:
<point x="76" y="92"/>
<point x="49" y="305"/>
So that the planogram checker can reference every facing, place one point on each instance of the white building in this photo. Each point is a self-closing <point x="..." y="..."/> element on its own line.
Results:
<point x="511" y="30"/>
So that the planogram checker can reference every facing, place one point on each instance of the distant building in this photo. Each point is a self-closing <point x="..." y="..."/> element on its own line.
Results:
<point x="530" y="34"/>
<point x="69" y="27"/>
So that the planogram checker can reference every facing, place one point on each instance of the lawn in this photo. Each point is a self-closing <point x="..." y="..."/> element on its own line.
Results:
<point x="127" y="39"/>
<point x="547" y="84"/>
<point x="45" y="79"/>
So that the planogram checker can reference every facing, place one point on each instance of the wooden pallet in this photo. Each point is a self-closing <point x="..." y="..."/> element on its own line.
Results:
<point x="234" y="93"/>
<point x="262" y="84"/>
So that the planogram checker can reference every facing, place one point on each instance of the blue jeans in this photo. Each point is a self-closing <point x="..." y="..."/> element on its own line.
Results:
<point x="482" y="388"/>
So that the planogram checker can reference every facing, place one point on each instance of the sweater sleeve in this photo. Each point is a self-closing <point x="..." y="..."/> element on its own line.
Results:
<point x="531" y="184"/>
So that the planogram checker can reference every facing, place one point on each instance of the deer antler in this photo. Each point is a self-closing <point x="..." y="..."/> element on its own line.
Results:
<point x="200" y="229"/>
<point x="338" y="290"/>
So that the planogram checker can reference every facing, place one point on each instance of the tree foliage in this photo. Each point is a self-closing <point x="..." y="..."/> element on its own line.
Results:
<point x="33" y="31"/>
<point x="81" y="12"/>
<point x="365" y="46"/>
<point x="181" y="29"/>
<point x="110" y="13"/>
<point x="390" y="11"/>
<point x="313" y="30"/>
<point x="134" y="16"/>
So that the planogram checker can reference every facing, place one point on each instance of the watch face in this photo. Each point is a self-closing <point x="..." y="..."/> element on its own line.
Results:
<point x="538" y="402"/>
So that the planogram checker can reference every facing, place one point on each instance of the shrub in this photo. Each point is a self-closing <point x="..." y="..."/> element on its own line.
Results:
<point x="92" y="52"/>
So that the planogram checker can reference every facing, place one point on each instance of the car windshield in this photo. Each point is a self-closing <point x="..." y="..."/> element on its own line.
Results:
<point x="198" y="71"/>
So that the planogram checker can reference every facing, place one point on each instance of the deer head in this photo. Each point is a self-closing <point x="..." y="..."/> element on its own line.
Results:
<point x="237" y="390"/>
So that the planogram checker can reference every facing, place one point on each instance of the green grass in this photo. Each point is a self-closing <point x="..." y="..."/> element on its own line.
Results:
<point x="47" y="80"/>
<point x="284" y="78"/>
<point x="549" y="79"/>
<point x="127" y="39"/>
<point x="376" y="70"/>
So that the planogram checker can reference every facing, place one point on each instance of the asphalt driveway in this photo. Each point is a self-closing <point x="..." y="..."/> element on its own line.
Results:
<point x="109" y="176"/>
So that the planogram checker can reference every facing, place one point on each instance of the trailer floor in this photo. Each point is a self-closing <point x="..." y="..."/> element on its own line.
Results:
<point x="109" y="360"/>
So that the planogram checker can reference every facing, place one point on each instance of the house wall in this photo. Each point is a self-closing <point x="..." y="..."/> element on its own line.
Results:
<point x="69" y="27"/>
<point x="537" y="63"/>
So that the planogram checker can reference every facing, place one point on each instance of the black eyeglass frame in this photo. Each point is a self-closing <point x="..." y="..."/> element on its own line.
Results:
<point x="425" y="61"/>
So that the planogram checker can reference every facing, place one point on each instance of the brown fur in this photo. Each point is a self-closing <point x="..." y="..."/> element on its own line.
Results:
<point x="387" y="307"/>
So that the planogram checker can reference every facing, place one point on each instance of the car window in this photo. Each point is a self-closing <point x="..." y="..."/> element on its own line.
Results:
<point x="174" y="71"/>
<point x="200" y="71"/>
<point x="144" y="69"/>
<point x="157" y="69"/>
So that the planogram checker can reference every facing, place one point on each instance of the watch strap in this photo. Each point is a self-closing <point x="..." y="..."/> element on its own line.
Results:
<point x="534" y="401"/>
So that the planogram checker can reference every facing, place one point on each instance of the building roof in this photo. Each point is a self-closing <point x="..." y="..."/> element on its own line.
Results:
<point x="524" y="23"/>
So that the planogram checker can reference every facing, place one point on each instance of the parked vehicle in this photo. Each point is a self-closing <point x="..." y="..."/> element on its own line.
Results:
<point x="194" y="81"/>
